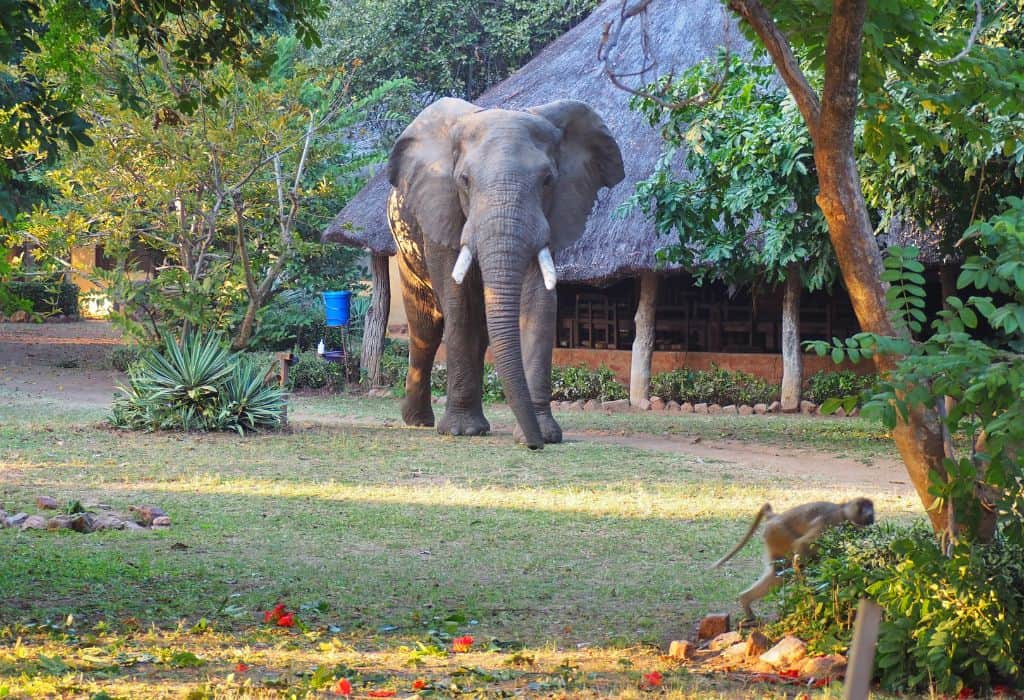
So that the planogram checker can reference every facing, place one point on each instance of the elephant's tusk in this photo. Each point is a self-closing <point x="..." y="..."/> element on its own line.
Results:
<point x="547" y="268"/>
<point x="462" y="265"/>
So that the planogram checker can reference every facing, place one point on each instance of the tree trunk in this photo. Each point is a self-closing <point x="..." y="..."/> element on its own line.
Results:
<point x="376" y="324"/>
<point x="643" y="343"/>
<point x="244" y="333"/>
<point x="831" y="123"/>
<point x="792" y="358"/>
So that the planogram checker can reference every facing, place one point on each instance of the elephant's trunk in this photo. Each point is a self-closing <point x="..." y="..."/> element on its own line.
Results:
<point x="503" y="267"/>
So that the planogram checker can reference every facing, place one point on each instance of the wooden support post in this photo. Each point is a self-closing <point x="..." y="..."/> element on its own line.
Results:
<point x="285" y="360"/>
<point x="862" y="650"/>
<point x="792" y="357"/>
<point x="376" y="324"/>
<point x="643" y="344"/>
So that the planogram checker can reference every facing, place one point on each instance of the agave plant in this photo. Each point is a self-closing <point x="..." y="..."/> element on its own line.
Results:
<point x="197" y="384"/>
<point x="249" y="401"/>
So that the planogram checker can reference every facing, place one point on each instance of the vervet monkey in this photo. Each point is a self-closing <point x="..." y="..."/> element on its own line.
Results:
<point x="792" y="533"/>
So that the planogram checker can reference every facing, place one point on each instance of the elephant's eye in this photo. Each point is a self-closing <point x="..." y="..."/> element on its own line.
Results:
<point x="464" y="179"/>
<point x="549" y="178"/>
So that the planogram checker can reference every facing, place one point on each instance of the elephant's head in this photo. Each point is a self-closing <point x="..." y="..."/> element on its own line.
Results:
<point x="506" y="189"/>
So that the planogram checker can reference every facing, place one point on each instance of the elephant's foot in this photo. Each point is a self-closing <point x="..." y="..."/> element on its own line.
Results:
<point x="463" y="423"/>
<point x="415" y="413"/>
<point x="549" y="430"/>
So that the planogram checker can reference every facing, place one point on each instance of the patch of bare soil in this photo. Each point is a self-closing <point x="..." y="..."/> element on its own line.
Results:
<point x="67" y="362"/>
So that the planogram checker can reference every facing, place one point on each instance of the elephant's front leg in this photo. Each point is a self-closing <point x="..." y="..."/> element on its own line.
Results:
<point x="425" y="329"/>
<point x="537" y="332"/>
<point x="465" y="339"/>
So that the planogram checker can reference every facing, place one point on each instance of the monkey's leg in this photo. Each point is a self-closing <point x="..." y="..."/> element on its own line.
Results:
<point x="769" y="580"/>
<point x="803" y="545"/>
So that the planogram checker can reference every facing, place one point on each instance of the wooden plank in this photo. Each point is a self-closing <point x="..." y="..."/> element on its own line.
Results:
<point x="862" y="650"/>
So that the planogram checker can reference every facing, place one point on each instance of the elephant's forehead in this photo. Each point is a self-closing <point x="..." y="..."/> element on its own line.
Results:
<point x="504" y="123"/>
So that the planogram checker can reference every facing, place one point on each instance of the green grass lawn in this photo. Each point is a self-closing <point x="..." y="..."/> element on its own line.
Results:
<point x="592" y="556"/>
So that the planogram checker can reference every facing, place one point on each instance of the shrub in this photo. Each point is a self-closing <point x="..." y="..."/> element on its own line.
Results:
<point x="54" y="296"/>
<point x="394" y="363"/>
<point x="197" y="384"/>
<point x="493" y="389"/>
<point x="583" y="383"/>
<point x="951" y="622"/>
<point x="294" y="319"/>
<point x="123" y="356"/>
<point x="715" y="385"/>
<point x="312" y="372"/>
<point x="839" y="384"/>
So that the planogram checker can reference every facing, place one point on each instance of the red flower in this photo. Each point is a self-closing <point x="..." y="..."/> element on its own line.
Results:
<point x="965" y="692"/>
<point x="381" y="693"/>
<point x="419" y="684"/>
<point x="652" y="679"/>
<point x="241" y="667"/>
<point x="462" y="644"/>
<point x="276" y="614"/>
<point x="343" y="687"/>
<point x="287" y="620"/>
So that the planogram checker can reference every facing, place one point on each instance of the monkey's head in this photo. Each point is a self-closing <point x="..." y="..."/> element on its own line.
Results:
<point x="860" y="511"/>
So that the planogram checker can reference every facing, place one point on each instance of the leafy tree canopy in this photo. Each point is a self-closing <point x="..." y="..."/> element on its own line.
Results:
<point x="744" y="211"/>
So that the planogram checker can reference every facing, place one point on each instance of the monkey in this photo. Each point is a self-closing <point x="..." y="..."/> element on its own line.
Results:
<point x="792" y="533"/>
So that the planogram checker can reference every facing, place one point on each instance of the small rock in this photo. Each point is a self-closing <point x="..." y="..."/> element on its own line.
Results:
<point x="161" y="521"/>
<point x="578" y="405"/>
<point x="59" y="522"/>
<point x="688" y="407"/>
<point x="854" y="413"/>
<point x="713" y="625"/>
<point x="17" y="519"/>
<point x="760" y="408"/>
<point x="3" y="518"/>
<point x="840" y="412"/>
<point x="787" y="652"/>
<point x="46" y="502"/>
<point x="19" y="316"/>
<point x="730" y="410"/>
<point x="831" y="666"/>
<point x="775" y="407"/>
<point x="131" y="525"/>
<point x="657" y="404"/>
<point x="808" y="407"/>
<point x="34" y="522"/>
<point x="144" y="514"/>
<point x="674" y="407"/>
<point x="701" y="408"/>
<point x="724" y="640"/>
<point x="79" y="522"/>
<point x="695" y="440"/>
<point x="746" y="410"/>
<point x="107" y="521"/>
<point x="643" y="405"/>
<point x="681" y="649"/>
<point x="442" y="400"/>
<point x="592" y="405"/>
<point x="737" y="650"/>
<point x="714" y="409"/>
<point x="757" y="643"/>
<point x="761" y="667"/>
<point x="619" y="405"/>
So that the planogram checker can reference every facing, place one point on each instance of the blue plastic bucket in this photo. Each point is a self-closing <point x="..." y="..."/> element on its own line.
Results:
<point x="336" y="306"/>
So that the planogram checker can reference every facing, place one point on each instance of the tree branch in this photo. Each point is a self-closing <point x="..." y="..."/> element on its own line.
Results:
<point x="979" y="19"/>
<point x="609" y="42"/>
<point x="754" y="14"/>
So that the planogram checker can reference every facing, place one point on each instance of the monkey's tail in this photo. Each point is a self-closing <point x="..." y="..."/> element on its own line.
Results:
<point x="766" y="510"/>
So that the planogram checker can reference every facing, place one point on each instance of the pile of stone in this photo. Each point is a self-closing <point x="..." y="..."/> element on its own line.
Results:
<point x="807" y="408"/>
<point x="101" y="517"/>
<point x="719" y="649"/>
<point x="22" y="316"/>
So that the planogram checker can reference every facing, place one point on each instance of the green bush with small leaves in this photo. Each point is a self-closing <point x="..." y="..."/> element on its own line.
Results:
<point x="312" y="372"/>
<point x="123" y="356"/>
<point x="716" y="385"/>
<point x="582" y="383"/>
<point x="950" y="622"/>
<point x="47" y="296"/>
<point x="838" y="384"/>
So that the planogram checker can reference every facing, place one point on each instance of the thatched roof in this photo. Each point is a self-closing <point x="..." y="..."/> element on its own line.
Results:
<point x="682" y="35"/>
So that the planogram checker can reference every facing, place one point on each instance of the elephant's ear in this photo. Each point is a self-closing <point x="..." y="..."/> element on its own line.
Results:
<point x="420" y="169"/>
<point x="588" y="159"/>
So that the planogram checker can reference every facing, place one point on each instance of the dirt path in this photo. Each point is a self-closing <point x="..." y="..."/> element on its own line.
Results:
<point x="68" y="363"/>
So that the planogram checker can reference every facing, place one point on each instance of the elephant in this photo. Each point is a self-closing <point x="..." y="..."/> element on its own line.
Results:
<point x="480" y="200"/>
